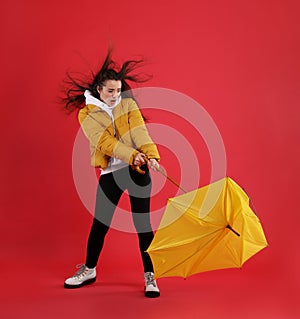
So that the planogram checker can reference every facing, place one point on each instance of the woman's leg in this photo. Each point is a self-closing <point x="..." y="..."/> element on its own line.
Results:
<point x="108" y="196"/>
<point x="139" y="192"/>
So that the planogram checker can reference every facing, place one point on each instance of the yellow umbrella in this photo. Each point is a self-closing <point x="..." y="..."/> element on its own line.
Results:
<point x="210" y="228"/>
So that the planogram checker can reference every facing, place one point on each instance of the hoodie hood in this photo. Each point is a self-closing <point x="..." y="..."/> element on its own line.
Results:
<point x="89" y="99"/>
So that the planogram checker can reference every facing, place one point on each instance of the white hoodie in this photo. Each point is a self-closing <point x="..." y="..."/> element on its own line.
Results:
<point x="114" y="164"/>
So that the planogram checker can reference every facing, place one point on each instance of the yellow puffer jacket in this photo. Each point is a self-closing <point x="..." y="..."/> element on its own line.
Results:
<point x="131" y="137"/>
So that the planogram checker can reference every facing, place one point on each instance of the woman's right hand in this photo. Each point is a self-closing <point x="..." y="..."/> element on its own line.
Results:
<point x="139" y="159"/>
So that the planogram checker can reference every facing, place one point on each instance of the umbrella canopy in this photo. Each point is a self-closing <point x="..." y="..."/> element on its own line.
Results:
<point x="210" y="228"/>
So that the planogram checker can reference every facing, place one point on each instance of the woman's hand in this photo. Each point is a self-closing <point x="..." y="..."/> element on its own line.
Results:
<point x="152" y="163"/>
<point x="139" y="159"/>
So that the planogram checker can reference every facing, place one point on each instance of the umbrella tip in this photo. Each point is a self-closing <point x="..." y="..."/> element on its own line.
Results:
<point x="234" y="231"/>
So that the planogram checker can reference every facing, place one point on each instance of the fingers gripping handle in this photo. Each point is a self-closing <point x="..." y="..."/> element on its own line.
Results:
<point x="138" y="169"/>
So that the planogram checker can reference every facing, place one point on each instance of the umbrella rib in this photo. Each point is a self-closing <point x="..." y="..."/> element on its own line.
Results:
<point x="193" y="216"/>
<point x="179" y="244"/>
<point x="199" y="218"/>
<point x="214" y="244"/>
<point x="213" y="240"/>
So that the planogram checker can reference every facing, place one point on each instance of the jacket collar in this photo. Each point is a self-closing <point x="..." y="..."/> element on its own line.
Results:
<point x="89" y="99"/>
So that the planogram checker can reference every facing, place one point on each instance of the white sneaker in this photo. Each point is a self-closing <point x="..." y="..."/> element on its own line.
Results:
<point x="83" y="276"/>
<point x="151" y="289"/>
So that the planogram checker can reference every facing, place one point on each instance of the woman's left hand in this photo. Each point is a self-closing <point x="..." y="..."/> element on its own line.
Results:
<point x="152" y="163"/>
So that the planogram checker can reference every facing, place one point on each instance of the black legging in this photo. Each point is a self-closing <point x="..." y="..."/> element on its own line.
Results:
<point x="111" y="187"/>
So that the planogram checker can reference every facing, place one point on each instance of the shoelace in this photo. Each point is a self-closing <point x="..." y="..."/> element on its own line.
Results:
<point x="150" y="279"/>
<point x="81" y="272"/>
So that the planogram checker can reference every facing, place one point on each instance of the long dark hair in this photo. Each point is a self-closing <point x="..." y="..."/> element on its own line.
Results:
<point x="73" y="90"/>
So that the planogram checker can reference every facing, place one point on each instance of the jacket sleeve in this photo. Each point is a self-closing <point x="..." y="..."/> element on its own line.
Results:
<point x="139" y="132"/>
<point x="100" y="133"/>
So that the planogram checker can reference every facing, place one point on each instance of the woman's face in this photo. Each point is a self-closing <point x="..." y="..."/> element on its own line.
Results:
<point x="110" y="92"/>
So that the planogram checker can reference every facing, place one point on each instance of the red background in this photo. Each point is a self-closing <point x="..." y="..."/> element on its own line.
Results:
<point x="239" y="59"/>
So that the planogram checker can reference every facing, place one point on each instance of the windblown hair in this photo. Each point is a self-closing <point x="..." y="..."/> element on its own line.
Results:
<point x="74" y="89"/>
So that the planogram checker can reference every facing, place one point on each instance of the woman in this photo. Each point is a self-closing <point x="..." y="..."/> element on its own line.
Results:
<point x="119" y="142"/>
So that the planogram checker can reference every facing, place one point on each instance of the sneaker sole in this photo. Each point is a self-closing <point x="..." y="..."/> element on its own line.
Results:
<point x="87" y="282"/>
<point x="152" y="294"/>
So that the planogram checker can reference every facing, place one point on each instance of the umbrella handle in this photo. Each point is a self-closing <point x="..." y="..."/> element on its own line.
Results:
<point x="138" y="169"/>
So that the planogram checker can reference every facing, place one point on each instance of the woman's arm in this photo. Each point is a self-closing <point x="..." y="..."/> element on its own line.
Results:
<point x="99" y="130"/>
<point x="139" y="132"/>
